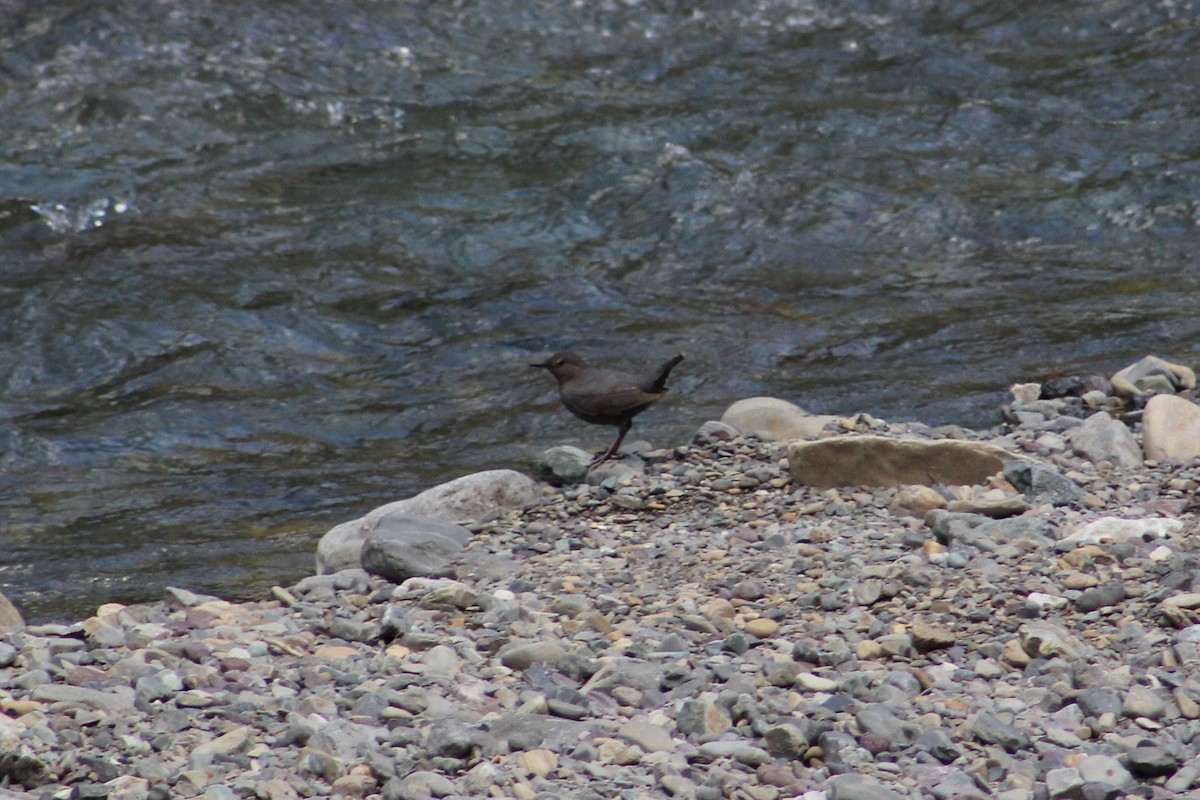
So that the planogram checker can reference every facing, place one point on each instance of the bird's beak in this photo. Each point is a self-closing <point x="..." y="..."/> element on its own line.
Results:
<point x="543" y="366"/>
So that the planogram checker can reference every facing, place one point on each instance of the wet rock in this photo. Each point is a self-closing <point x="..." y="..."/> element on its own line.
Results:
<point x="403" y="546"/>
<point x="474" y="497"/>
<point x="1171" y="428"/>
<point x="774" y="419"/>
<point x="879" y="461"/>
<point x="1103" y="438"/>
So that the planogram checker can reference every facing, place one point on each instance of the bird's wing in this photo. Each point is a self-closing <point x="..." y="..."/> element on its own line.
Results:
<point x="608" y="394"/>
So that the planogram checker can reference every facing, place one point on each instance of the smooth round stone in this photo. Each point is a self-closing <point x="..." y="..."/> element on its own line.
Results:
<point x="815" y="683"/>
<point x="762" y="627"/>
<point x="1141" y="701"/>
<point x="739" y="751"/>
<point x="523" y="655"/>
<point x="441" y="660"/>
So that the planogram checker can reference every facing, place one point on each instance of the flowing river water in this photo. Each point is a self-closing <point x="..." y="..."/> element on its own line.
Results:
<point x="267" y="265"/>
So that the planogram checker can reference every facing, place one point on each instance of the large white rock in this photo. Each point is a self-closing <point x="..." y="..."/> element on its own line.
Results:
<point x="1119" y="529"/>
<point x="1171" y="428"/>
<point x="774" y="419"/>
<point x="470" y="498"/>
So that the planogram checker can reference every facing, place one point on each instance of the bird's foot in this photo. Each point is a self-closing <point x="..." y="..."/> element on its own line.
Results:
<point x="601" y="458"/>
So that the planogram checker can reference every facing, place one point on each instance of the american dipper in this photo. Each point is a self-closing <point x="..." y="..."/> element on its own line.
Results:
<point x="604" y="396"/>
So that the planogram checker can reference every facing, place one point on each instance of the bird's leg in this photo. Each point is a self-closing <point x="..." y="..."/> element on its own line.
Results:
<point x="612" y="451"/>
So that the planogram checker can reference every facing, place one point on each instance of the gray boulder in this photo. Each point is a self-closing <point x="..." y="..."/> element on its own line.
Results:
<point x="474" y="497"/>
<point x="1103" y="438"/>
<point x="404" y="546"/>
<point x="1042" y="483"/>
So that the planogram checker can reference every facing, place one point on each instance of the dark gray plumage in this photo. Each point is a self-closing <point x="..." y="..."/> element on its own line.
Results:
<point x="604" y="396"/>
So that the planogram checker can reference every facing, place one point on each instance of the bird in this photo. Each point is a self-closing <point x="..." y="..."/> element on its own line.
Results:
<point x="604" y="396"/>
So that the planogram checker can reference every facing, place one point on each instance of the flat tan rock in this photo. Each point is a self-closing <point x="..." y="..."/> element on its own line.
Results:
<point x="774" y="419"/>
<point x="1171" y="428"/>
<point x="994" y="507"/>
<point x="879" y="461"/>
<point x="928" y="636"/>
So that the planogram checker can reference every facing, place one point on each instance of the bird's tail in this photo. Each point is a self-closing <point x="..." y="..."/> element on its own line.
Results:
<point x="660" y="382"/>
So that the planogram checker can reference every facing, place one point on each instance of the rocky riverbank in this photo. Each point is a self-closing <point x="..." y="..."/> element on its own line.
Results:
<point x="695" y="623"/>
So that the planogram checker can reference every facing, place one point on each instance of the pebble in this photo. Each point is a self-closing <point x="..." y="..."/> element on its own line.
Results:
<point x="762" y="628"/>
